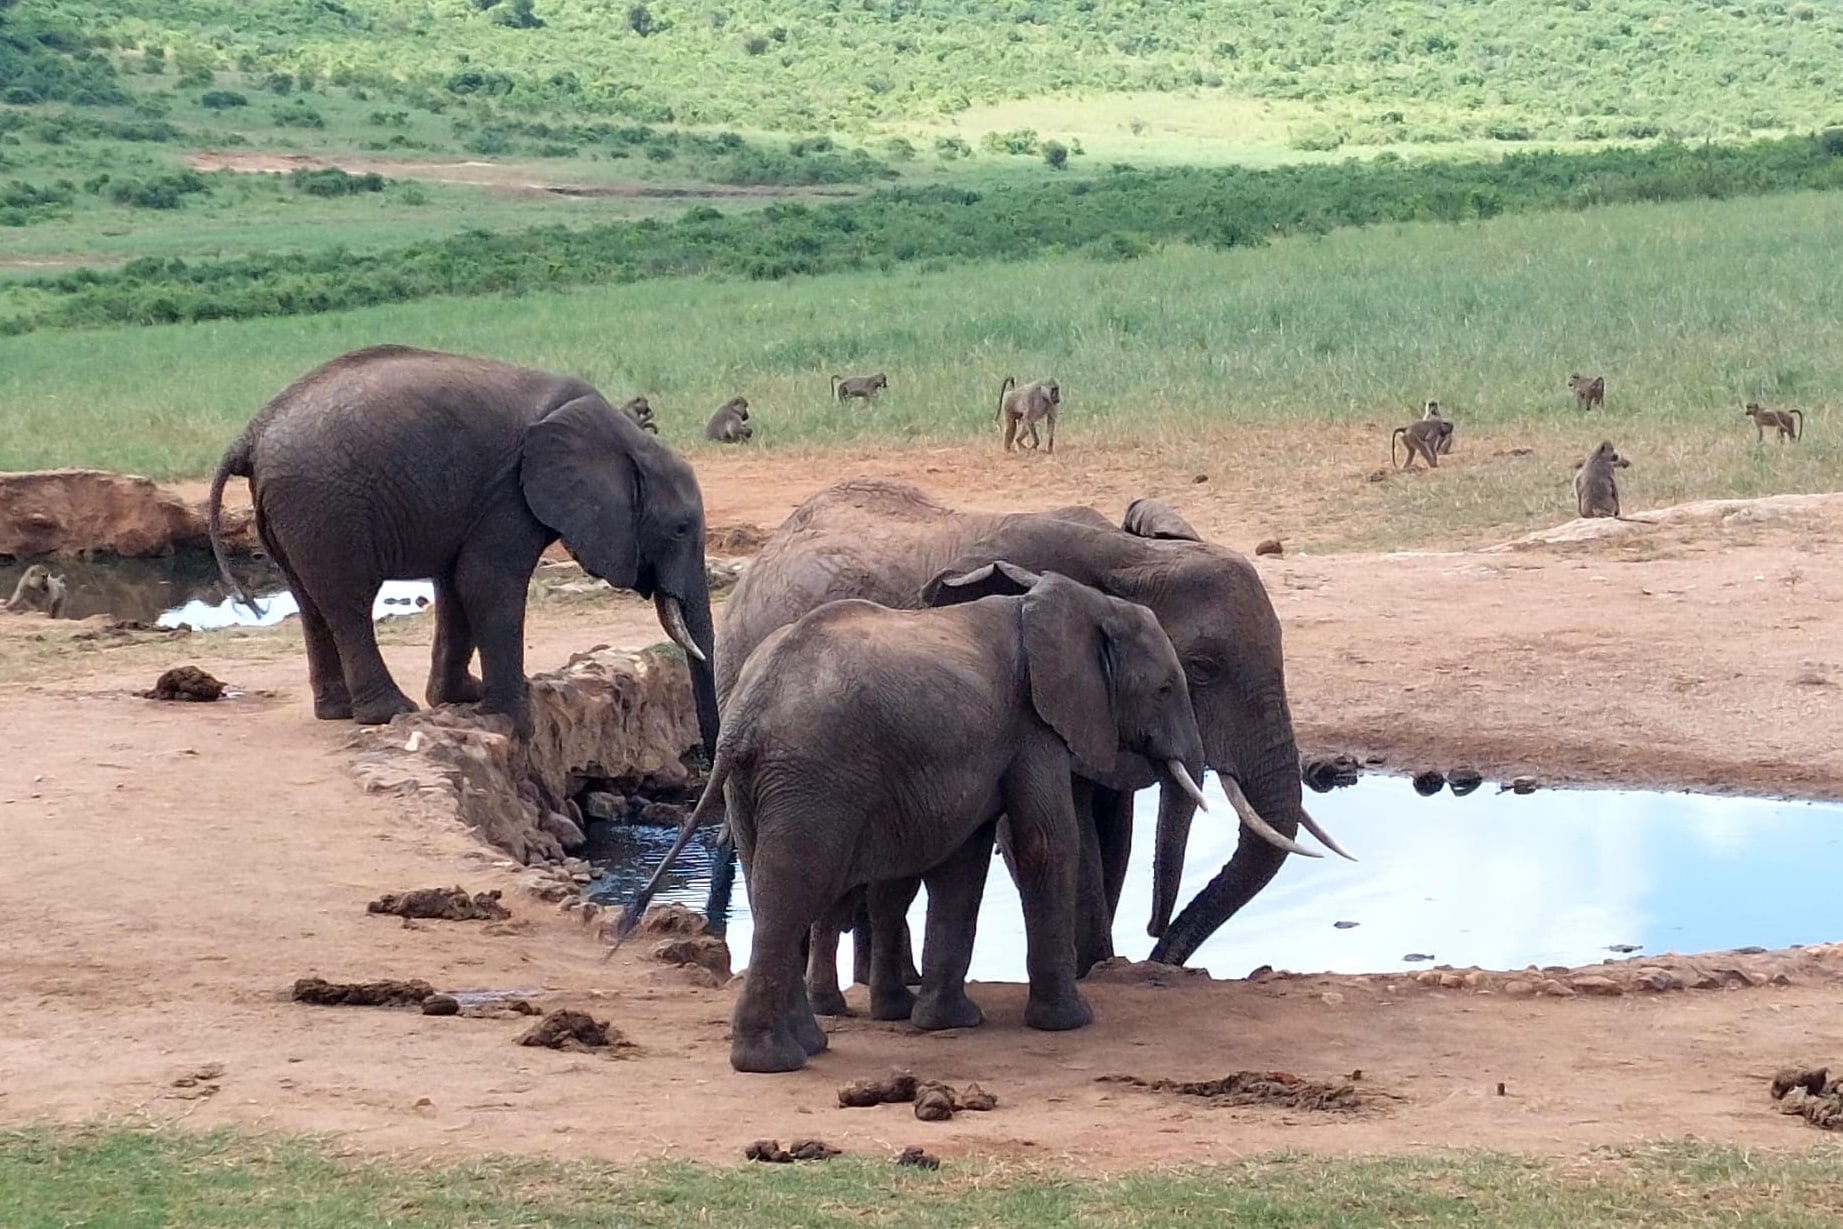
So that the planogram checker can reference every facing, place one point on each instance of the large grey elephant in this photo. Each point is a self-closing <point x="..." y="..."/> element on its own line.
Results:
<point x="886" y="541"/>
<point x="862" y="745"/>
<point x="398" y="463"/>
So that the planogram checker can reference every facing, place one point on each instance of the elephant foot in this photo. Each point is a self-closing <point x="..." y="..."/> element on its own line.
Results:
<point x="465" y="690"/>
<point x="520" y="713"/>
<point x="828" y="1001"/>
<point x="766" y="1053"/>
<point x="381" y="710"/>
<point x="891" y="1002"/>
<point x="805" y="1031"/>
<point x="936" y="1012"/>
<point x="333" y="708"/>
<point x="1058" y="1015"/>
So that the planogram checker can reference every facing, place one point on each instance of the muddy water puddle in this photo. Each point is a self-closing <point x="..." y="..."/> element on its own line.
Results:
<point x="184" y="589"/>
<point x="1495" y="879"/>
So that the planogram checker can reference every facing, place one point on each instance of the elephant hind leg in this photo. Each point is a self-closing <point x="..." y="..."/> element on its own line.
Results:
<point x="325" y="674"/>
<point x="449" y="680"/>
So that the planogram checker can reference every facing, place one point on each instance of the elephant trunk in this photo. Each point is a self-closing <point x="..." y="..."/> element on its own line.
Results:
<point x="688" y="622"/>
<point x="1175" y="811"/>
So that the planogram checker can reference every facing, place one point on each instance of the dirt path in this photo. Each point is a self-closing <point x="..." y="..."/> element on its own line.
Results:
<point x="170" y="869"/>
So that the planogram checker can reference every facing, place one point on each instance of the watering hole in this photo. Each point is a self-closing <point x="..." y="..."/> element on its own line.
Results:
<point x="1498" y="880"/>
<point x="184" y="589"/>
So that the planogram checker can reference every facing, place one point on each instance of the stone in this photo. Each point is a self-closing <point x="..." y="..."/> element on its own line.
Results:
<point x="564" y="829"/>
<point x="1602" y="987"/>
<point x="604" y="806"/>
<point x="1657" y="980"/>
<point x="1556" y="989"/>
<point x="706" y="951"/>
<point x="79" y="511"/>
<point x="1519" y="988"/>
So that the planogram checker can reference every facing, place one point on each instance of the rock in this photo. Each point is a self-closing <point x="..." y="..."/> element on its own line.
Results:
<point x="1522" y="785"/>
<point x="1269" y="546"/>
<point x="441" y="1005"/>
<point x="1556" y="989"/>
<point x="78" y="511"/>
<point x="1519" y="988"/>
<point x="706" y="951"/>
<point x="564" y="829"/>
<point x="663" y="920"/>
<point x="1657" y="980"/>
<point x="661" y="815"/>
<point x="1464" y="779"/>
<point x="691" y="975"/>
<point x="185" y="683"/>
<point x="1451" y="981"/>
<point x="1476" y="979"/>
<point x="914" y="1155"/>
<point x="1199" y="478"/>
<point x="1602" y="987"/>
<point x="1428" y="783"/>
<point x="1122" y="971"/>
<point x="604" y="806"/>
<point x="1324" y="775"/>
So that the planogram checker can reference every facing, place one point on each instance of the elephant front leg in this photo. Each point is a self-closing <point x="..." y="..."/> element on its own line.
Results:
<point x="453" y="651"/>
<point x="492" y="598"/>
<point x="955" y="889"/>
<point x="1044" y="836"/>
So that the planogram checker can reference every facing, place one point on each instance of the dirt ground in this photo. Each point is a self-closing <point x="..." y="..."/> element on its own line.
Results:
<point x="170" y="869"/>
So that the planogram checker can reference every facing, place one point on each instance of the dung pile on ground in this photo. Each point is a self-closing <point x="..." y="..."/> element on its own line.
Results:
<point x="1812" y="1095"/>
<point x="917" y="1157"/>
<point x="770" y="1150"/>
<point x="319" y="992"/>
<point x="1281" y="1088"/>
<point x="934" y="1101"/>
<point x="896" y="1088"/>
<point x="185" y="683"/>
<point x="442" y="904"/>
<point x="568" y="1029"/>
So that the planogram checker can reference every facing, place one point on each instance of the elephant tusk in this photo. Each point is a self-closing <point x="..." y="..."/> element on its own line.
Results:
<point x="1182" y="775"/>
<point x="1260" y="827"/>
<point x="1311" y="825"/>
<point x="672" y="618"/>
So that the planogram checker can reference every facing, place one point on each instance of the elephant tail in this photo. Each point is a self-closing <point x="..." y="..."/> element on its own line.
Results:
<point x="236" y="463"/>
<point x="708" y="803"/>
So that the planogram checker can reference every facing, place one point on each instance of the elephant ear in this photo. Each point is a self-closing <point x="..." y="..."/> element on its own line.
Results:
<point x="1071" y="662"/>
<point x="957" y="585"/>
<point x="578" y="477"/>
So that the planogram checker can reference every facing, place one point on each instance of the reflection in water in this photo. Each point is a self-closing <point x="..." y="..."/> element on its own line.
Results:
<point x="141" y="589"/>
<point x="1493" y="879"/>
<point x="397" y="597"/>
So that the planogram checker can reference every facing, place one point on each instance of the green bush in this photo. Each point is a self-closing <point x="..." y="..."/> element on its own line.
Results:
<point x="222" y="100"/>
<point x="156" y="192"/>
<point x="298" y="114"/>
<point x="331" y="181"/>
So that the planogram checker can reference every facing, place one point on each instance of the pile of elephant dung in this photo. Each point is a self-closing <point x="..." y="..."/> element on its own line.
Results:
<point x="770" y="1150"/>
<point x="933" y="1100"/>
<point x="1281" y="1088"/>
<point x="1812" y="1095"/>
<point x="185" y="683"/>
<point x="568" y="1029"/>
<point x="442" y="905"/>
<point x="319" y="992"/>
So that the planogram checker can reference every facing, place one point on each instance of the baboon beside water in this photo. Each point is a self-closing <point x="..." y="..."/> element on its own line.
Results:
<point x="38" y="589"/>
<point x="1426" y="438"/>
<point x="1021" y="406"/>
<point x="1589" y="391"/>
<point x="641" y="412"/>
<point x="1154" y="518"/>
<point x="730" y="424"/>
<point x="1780" y="420"/>
<point x="1596" y="491"/>
<point x="865" y="387"/>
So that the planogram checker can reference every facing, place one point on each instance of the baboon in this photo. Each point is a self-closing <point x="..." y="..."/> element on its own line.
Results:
<point x="1781" y="420"/>
<point x="1432" y="410"/>
<point x="730" y="424"/>
<point x="641" y="412"/>
<point x="1426" y="438"/>
<point x="864" y="387"/>
<point x="1154" y="518"/>
<point x="38" y="589"/>
<point x="1596" y="493"/>
<point x="1021" y="405"/>
<point x="1589" y="391"/>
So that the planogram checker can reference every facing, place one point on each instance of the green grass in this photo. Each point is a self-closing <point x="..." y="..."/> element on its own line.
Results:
<point x="138" y="1179"/>
<point x="1359" y="73"/>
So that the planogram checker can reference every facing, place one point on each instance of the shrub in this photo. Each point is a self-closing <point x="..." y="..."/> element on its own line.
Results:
<point x="222" y="100"/>
<point x="331" y="181"/>
<point x="1056" y="154"/>
<point x="298" y="115"/>
<point x="158" y="192"/>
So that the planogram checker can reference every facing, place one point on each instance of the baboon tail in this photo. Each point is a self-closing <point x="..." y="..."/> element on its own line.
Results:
<point x="1400" y="432"/>
<point x="236" y="462"/>
<point x="1009" y="384"/>
<point x="1798" y="426"/>
<point x="710" y="800"/>
<point x="835" y="384"/>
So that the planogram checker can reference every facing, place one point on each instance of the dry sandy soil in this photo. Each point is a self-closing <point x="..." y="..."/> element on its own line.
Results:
<point x="170" y="869"/>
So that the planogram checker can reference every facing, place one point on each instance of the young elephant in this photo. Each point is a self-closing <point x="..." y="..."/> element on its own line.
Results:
<point x="865" y="744"/>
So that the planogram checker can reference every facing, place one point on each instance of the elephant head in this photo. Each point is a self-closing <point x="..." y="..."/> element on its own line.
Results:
<point x="630" y="511"/>
<point x="1212" y="606"/>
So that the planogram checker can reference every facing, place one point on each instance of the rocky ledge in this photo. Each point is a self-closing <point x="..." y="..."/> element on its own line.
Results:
<point x="608" y="713"/>
<point x="83" y="511"/>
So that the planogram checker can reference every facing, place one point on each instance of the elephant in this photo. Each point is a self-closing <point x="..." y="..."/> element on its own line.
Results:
<point x="862" y="745"/>
<point x="399" y="463"/>
<point x="887" y="541"/>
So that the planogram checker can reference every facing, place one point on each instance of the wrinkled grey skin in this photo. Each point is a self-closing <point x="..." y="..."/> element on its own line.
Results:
<point x="1154" y="518"/>
<point x="884" y="541"/>
<point x="862" y="745"/>
<point x="394" y="463"/>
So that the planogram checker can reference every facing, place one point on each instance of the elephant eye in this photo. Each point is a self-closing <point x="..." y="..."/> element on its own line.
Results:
<point x="684" y="529"/>
<point x="1202" y="670"/>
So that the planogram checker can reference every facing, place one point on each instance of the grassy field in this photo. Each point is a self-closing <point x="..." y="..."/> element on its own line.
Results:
<point x="138" y="1178"/>
<point x="1353" y="327"/>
